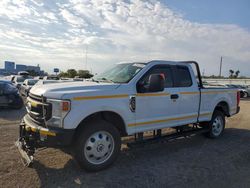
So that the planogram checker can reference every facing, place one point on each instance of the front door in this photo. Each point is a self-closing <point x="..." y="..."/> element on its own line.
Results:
<point x="156" y="110"/>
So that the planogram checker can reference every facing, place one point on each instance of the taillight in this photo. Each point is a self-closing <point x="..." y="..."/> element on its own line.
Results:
<point x="238" y="98"/>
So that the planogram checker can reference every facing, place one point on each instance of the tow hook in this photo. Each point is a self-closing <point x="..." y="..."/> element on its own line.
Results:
<point x="26" y="145"/>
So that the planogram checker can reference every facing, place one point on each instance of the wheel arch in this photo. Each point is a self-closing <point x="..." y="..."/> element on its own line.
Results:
<point x="109" y="116"/>
<point x="223" y="107"/>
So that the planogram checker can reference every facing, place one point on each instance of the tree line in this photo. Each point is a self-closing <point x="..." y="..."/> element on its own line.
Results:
<point x="72" y="73"/>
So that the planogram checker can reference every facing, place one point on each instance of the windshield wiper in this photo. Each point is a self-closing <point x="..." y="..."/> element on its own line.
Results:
<point x="107" y="80"/>
<point x="94" y="80"/>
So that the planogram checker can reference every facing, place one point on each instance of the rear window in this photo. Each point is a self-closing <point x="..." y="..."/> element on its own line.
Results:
<point x="182" y="77"/>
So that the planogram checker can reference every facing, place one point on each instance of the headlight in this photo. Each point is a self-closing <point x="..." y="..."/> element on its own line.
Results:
<point x="60" y="108"/>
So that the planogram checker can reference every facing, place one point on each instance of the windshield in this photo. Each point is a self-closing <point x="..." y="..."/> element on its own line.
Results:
<point x="32" y="82"/>
<point x="120" y="73"/>
<point x="20" y="79"/>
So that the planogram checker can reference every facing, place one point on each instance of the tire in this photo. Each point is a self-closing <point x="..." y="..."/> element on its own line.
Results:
<point x="97" y="146"/>
<point x="245" y="95"/>
<point x="216" y="125"/>
<point x="242" y="94"/>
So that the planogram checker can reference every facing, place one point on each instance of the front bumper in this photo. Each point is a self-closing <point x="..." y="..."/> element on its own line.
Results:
<point x="51" y="136"/>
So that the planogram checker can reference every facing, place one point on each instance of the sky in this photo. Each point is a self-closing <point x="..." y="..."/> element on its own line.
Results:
<point x="95" y="34"/>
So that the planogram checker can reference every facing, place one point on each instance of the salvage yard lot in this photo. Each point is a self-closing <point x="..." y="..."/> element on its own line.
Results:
<point x="190" y="162"/>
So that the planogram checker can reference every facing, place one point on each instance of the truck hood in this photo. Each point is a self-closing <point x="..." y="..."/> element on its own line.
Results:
<point x="59" y="90"/>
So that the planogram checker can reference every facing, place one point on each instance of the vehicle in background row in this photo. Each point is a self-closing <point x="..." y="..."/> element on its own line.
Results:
<point x="51" y="77"/>
<point x="18" y="80"/>
<point x="9" y="96"/>
<point x="26" y="86"/>
<point x="128" y="99"/>
<point x="243" y="91"/>
<point x="42" y="82"/>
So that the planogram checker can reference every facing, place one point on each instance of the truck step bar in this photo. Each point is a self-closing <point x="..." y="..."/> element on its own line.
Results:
<point x="159" y="137"/>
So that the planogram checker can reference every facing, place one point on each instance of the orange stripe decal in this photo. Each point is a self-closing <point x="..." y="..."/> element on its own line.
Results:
<point x="100" y="97"/>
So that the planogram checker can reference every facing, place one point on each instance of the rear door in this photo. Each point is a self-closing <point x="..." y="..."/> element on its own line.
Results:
<point x="155" y="110"/>
<point x="188" y="94"/>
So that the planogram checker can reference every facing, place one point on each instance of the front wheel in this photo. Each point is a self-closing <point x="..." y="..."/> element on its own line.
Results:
<point x="217" y="124"/>
<point x="245" y="95"/>
<point x="98" y="145"/>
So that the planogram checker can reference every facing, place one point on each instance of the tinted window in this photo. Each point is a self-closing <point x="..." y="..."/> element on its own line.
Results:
<point x="182" y="77"/>
<point x="32" y="82"/>
<point x="20" y="79"/>
<point x="165" y="70"/>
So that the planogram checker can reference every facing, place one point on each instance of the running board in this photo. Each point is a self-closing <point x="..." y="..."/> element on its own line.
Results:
<point x="167" y="137"/>
<point x="26" y="159"/>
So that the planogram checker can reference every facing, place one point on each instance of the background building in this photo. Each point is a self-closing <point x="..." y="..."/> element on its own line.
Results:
<point x="20" y="67"/>
<point x="9" y="66"/>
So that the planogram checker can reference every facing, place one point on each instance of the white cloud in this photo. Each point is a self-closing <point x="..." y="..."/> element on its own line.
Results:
<point x="116" y="30"/>
<point x="72" y="19"/>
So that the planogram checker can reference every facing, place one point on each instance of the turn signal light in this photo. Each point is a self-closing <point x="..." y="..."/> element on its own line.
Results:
<point x="65" y="106"/>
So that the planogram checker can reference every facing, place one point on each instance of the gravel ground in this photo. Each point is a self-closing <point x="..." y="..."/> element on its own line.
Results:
<point x="190" y="162"/>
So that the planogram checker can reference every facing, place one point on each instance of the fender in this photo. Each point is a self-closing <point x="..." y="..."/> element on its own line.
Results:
<point x="79" y="113"/>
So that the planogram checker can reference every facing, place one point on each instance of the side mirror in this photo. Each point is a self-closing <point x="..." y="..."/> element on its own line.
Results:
<point x="156" y="83"/>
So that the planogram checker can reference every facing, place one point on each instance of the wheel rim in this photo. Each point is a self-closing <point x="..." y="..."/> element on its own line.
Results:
<point x="217" y="126"/>
<point x="99" y="147"/>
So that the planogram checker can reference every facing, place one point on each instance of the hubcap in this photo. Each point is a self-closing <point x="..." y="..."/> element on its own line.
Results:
<point x="217" y="126"/>
<point x="99" y="147"/>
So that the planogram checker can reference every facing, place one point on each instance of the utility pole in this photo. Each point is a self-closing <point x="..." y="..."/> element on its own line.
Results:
<point x="86" y="56"/>
<point x="220" y="66"/>
<point x="203" y="73"/>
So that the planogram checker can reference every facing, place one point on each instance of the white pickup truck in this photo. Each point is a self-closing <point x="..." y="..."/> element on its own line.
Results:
<point x="130" y="98"/>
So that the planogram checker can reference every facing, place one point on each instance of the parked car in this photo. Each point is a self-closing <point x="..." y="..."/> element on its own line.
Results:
<point x="128" y="99"/>
<point x="243" y="92"/>
<point x="51" y="77"/>
<point x="9" y="96"/>
<point x="18" y="81"/>
<point x="26" y="86"/>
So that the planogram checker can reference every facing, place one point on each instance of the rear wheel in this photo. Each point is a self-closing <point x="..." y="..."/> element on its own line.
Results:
<point x="98" y="145"/>
<point x="217" y="124"/>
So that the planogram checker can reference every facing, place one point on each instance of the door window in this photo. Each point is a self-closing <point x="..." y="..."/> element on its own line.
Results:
<point x="166" y="71"/>
<point x="182" y="77"/>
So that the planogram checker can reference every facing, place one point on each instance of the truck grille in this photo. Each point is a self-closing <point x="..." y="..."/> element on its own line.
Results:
<point x="38" y="109"/>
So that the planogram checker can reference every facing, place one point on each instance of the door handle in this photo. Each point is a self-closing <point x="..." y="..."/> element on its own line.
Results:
<point x="174" y="96"/>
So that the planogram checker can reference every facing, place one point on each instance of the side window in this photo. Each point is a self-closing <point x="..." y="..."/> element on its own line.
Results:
<point x="182" y="77"/>
<point x="165" y="70"/>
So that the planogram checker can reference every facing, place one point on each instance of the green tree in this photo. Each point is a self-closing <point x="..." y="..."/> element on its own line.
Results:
<point x="231" y="73"/>
<point x="63" y="74"/>
<point x="71" y="73"/>
<point x="237" y="74"/>
<point x="84" y="74"/>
